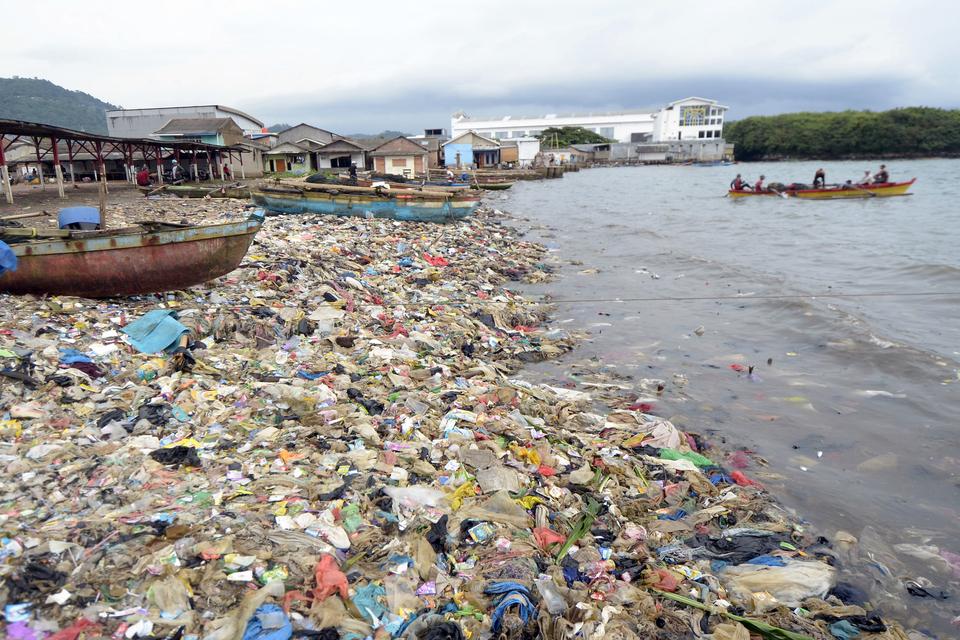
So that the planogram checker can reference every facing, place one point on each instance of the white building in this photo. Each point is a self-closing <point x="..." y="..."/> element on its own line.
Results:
<point x="141" y="123"/>
<point x="690" y="118"/>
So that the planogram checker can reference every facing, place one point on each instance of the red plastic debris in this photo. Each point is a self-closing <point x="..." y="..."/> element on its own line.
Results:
<point x="741" y="479"/>
<point x="546" y="537"/>
<point x="435" y="261"/>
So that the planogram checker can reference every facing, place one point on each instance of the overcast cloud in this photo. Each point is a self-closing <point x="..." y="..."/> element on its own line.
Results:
<point x="369" y="66"/>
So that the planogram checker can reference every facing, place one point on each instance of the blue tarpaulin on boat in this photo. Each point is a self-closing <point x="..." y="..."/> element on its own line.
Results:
<point x="8" y="259"/>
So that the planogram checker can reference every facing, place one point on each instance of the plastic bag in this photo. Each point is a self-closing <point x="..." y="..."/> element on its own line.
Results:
<point x="789" y="584"/>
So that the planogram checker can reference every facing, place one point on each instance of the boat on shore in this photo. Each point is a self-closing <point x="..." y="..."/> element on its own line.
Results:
<point x="417" y="205"/>
<point x="832" y="192"/>
<point x="196" y="191"/>
<point x="149" y="258"/>
<point x="496" y="186"/>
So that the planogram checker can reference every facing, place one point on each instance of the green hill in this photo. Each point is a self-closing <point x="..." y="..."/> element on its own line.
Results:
<point x="907" y="132"/>
<point x="36" y="100"/>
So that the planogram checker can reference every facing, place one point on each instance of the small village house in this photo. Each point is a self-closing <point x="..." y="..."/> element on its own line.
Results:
<point x="519" y="151"/>
<point x="219" y="131"/>
<point x="340" y="154"/>
<point x="400" y="156"/>
<point x="470" y="149"/>
<point x="287" y="157"/>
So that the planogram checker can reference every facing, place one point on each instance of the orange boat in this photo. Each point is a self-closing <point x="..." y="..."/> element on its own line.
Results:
<point x="835" y="192"/>
<point x="147" y="259"/>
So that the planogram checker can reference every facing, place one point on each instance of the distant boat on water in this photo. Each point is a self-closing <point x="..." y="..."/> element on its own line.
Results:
<point x="832" y="192"/>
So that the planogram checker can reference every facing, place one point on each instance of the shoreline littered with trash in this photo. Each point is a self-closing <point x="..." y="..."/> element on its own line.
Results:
<point x="342" y="445"/>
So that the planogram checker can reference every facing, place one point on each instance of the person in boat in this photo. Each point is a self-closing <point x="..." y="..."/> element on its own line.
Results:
<point x="353" y="173"/>
<point x="176" y="173"/>
<point x="450" y="175"/>
<point x="881" y="176"/>
<point x="143" y="177"/>
<point x="737" y="183"/>
<point x="867" y="177"/>
<point x="226" y="171"/>
<point x="819" y="179"/>
<point x="758" y="185"/>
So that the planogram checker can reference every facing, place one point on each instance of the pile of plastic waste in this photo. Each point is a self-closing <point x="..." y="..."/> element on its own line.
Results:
<point x="333" y="441"/>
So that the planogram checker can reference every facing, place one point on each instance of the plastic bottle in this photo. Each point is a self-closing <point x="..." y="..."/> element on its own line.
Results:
<point x="552" y="598"/>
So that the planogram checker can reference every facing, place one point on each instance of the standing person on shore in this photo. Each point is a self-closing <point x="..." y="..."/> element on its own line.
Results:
<point x="758" y="185"/>
<point x="819" y="179"/>
<point x="143" y="177"/>
<point x="882" y="175"/>
<point x="737" y="183"/>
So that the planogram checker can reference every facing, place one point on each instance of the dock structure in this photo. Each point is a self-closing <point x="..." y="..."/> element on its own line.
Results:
<point x="51" y="143"/>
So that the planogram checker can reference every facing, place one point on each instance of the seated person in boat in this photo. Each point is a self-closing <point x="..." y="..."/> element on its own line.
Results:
<point x="819" y="179"/>
<point x="758" y="185"/>
<point x="881" y="176"/>
<point x="143" y="177"/>
<point x="737" y="183"/>
<point x="867" y="177"/>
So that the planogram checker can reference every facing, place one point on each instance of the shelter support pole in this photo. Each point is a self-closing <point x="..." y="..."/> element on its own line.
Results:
<point x="242" y="174"/>
<point x="5" y="175"/>
<point x="36" y="146"/>
<point x="209" y="167"/>
<point x="159" y="168"/>
<point x="220" y="166"/>
<point x="73" y="177"/>
<point x="57" y="170"/>
<point x="193" y="166"/>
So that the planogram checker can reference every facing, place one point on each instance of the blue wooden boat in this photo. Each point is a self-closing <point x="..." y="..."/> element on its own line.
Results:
<point x="368" y="202"/>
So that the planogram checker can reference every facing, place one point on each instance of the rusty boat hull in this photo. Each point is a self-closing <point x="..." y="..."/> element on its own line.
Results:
<point x="129" y="261"/>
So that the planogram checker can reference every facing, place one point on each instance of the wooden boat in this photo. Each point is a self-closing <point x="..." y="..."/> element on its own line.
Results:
<point x="196" y="191"/>
<point x="835" y="192"/>
<point x="496" y="186"/>
<point x="147" y="259"/>
<point x="397" y="204"/>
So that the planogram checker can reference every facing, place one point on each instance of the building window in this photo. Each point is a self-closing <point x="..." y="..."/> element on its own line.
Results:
<point x="502" y="134"/>
<point x="398" y="162"/>
<point x="700" y="134"/>
<point x="606" y="132"/>
<point x="693" y="116"/>
<point x="716" y="134"/>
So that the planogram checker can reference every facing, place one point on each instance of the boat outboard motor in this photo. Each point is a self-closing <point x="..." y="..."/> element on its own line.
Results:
<point x="79" y="218"/>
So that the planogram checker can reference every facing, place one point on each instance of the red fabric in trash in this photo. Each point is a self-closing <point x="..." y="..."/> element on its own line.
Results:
<point x="741" y="479"/>
<point x="73" y="631"/>
<point x="546" y="537"/>
<point x="330" y="579"/>
<point x="546" y="471"/>
<point x="739" y="368"/>
<point x="666" y="581"/>
<point x="435" y="261"/>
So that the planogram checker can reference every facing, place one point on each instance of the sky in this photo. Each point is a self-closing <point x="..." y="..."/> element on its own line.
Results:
<point x="369" y="66"/>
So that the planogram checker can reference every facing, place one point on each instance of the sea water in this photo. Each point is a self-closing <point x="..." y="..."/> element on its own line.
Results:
<point x="855" y="305"/>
